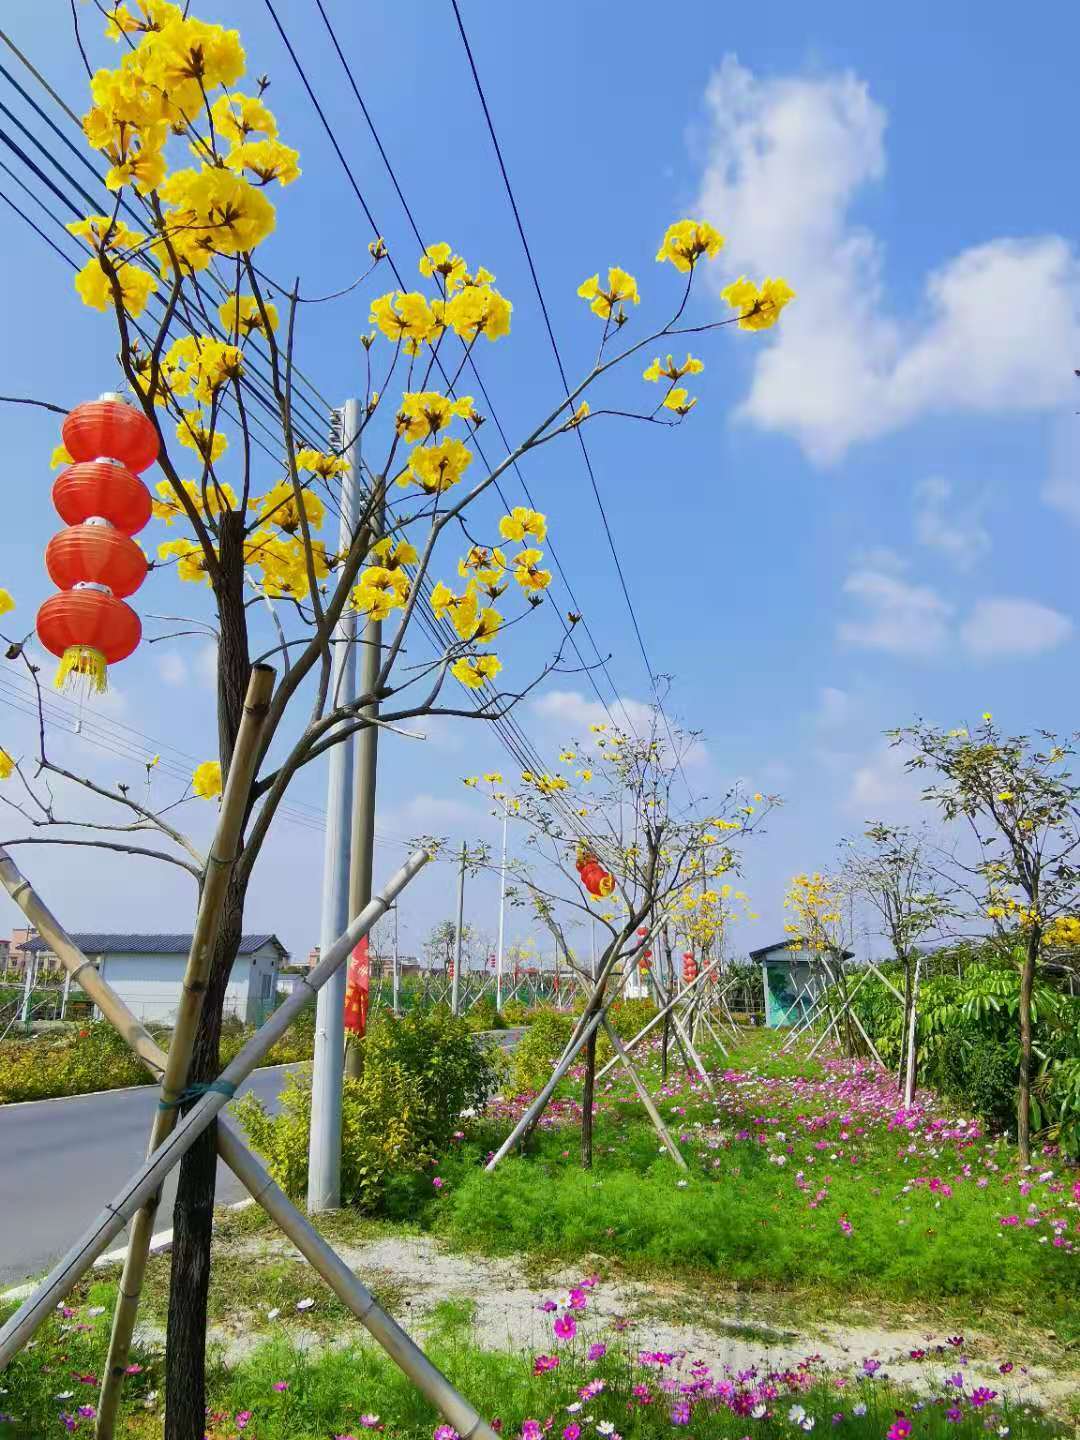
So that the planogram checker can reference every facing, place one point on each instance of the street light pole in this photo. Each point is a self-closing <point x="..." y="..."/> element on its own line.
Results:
<point x="328" y="1069"/>
<point x="502" y="915"/>
<point x="397" y="967"/>
<point x="455" y="982"/>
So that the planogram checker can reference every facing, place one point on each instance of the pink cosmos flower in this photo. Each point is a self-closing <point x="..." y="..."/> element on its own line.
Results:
<point x="280" y="1385"/>
<point x="565" y="1327"/>
<point x="572" y="1431"/>
<point x="597" y="1352"/>
<point x="543" y="1363"/>
<point x="243" y="1418"/>
<point x="900" y="1429"/>
<point x="438" y="1182"/>
<point x="445" y="1432"/>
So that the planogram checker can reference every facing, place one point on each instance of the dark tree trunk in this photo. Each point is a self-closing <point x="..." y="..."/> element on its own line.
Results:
<point x="193" y="1212"/>
<point x="587" y="1092"/>
<point x="1023" y="1097"/>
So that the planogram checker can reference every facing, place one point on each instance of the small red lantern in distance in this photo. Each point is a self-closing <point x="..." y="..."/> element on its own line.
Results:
<point x="689" y="968"/>
<point x="94" y="562"/>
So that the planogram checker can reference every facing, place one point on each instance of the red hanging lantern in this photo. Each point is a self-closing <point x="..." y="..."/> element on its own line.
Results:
<point x="109" y="429"/>
<point x="94" y="486"/>
<point x="597" y="881"/>
<point x="94" y="561"/>
<point x="689" y="968"/>
<point x="95" y="552"/>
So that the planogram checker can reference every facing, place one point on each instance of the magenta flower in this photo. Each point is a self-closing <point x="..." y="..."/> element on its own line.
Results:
<point x="680" y="1413"/>
<point x="531" y="1430"/>
<point x="565" y="1327"/>
<point x="438" y="1182"/>
<point x="86" y="1412"/>
<point x="445" y="1432"/>
<point x="572" y="1431"/>
<point x="69" y="1422"/>
<point x="871" y="1367"/>
<point x="242" y="1419"/>
<point x="577" y="1298"/>
<point x="370" y="1422"/>
<point x="900" y="1429"/>
<point x="280" y="1385"/>
<point x="980" y="1396"/>
<point x="954" y="1415"/>
<point x="543" y="1363"/>
<point x="598" y="1351"/>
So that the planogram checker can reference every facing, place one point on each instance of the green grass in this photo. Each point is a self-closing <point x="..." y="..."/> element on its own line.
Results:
<point x="281" y="1391"/>
<point x="744" y="1220"/>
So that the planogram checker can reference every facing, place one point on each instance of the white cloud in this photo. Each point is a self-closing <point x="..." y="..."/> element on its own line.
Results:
<point x="834" y="708"/>
<point x="882" y="789"/>
<point x="172" y="668"/>
<point x="960" y="535"/>
<point x="206" y="664"/>
<point x="899" y="618"/>
<point x="1003" y="627"/>
<point x="787" y="159"/>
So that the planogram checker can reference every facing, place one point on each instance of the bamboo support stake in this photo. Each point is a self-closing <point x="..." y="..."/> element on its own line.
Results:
<point x="537" y="1106"/>
<point x="251" y="1174"/>
<point x="643" y="1095"/>
<point x="670" y="1006"/>
<point x="216" y="876"/>
<point x="70" y="1269"/>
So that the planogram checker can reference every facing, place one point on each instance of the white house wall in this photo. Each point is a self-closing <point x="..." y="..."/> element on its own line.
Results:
<point x="150" y="984"/>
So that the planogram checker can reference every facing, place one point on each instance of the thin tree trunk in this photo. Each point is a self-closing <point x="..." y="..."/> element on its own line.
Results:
<point x="906" y="1025"/>
<point x="587" y="1103"/>
<point x="193" y="1212"/>
<point x="1023" y="1099"/>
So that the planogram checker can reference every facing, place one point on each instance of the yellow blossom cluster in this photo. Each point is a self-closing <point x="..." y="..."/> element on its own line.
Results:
<point x="383" y="585"/>
<point x="621" y="290"/>
<point x="815" y="902"/>
<point x="469" y="305"/>
<point x="759" y="307"/>
<point x="171" y="66"/>
<point x="7" y="764"/>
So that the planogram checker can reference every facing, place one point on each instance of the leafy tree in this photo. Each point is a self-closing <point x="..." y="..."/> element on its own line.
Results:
<point x="1019" y="800"/>
<point x="204" y="338"/>
<point x="891" y="872"/>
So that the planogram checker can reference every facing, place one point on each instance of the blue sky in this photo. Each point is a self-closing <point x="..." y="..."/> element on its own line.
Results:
<point x="871" y="514"/>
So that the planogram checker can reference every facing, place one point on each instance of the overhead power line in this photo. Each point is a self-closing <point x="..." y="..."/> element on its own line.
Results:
<point x="649" y="670"/>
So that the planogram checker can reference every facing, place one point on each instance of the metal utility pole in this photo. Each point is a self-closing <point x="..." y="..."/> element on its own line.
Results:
<point x="363" y="804"/>
<point x="328" y="1070"/>
<point x="455" y="982"/>
<point x="502" y="915"/>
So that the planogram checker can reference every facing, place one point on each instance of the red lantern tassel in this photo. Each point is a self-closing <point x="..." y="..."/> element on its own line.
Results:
<point x="81" y="666"/>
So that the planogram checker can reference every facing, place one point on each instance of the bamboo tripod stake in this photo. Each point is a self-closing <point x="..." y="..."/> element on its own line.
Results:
<point x="396" y="1342"/>
<point x="216" y="876"/>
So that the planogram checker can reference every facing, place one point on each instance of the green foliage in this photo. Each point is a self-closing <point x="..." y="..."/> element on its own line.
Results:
<point x="420" y="1073"/>
<point x="384" y="1120"/>
<point x="969" y="1039"/>
<point x="89" y="1058"/>
<point x="537" y="1052"/>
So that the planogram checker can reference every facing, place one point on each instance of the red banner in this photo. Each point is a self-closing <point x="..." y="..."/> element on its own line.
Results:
<point x="357" y="989"/>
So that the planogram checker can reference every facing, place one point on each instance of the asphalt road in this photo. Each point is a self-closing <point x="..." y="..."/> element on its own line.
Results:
<point x="62" y="1160"/>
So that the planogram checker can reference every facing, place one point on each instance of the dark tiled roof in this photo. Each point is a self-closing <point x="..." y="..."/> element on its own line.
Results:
<point x="122" y="943"/>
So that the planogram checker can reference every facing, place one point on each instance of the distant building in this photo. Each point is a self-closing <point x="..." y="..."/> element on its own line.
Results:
<point x="147" y="971"/>
<point x="13" y="952"/>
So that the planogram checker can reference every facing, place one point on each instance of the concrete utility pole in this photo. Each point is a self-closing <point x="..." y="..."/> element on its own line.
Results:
<point x="328" y="1070"/>
<point x="455" y="993"/>
<point x="363" y="804"/>
<point x="397" y="967"/>
<point x="502" y="914"/>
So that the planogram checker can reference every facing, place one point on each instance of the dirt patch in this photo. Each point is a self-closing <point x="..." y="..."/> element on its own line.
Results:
<point x="503" y="1298"/>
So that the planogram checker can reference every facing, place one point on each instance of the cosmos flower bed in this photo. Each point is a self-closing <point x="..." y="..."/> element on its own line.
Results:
<point x="813" y="1178"/>
<point x="587" y="1382"/>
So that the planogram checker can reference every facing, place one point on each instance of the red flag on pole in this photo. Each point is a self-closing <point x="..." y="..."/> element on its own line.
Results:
<point x="357" y="989"/>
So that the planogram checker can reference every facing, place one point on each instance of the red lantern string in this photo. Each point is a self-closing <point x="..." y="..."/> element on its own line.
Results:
<point x="94" y="562"/>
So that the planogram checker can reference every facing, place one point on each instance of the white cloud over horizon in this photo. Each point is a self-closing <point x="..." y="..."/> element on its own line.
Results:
<point x="912" y="620"/>
<point x="787" y="159"/>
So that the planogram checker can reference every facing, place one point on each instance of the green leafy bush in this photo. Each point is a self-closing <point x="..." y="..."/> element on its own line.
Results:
<point x="92" y="1057"/>
<point x="549" y="1032"/>
<point x="382" y="1123"/>
<point x="420" y="1072"/>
